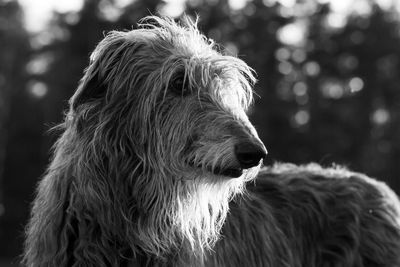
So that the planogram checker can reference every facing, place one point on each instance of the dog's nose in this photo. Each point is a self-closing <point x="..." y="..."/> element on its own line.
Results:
<point x="249" y="154"/>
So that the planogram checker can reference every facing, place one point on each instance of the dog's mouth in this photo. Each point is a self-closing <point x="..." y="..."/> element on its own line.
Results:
<point x="230" y="172"/>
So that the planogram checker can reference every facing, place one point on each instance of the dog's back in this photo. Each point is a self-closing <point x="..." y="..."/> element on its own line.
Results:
<point x="308" y="216"/>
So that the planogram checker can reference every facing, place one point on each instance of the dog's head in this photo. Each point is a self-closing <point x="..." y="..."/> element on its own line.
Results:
<point x="178" y="100"/>
<point x="162" y="109"/>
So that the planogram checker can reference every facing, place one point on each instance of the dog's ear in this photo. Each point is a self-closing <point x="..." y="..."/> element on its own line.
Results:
<point x="88" y="90"/>
<point x="94" y="84"/>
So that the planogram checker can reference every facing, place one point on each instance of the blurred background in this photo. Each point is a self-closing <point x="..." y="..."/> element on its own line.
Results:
<point x="328" y="81"/>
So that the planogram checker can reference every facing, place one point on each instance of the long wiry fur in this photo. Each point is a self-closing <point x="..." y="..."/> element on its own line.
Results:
<point x="137" y="174"/>
<point x="309" y="216"/>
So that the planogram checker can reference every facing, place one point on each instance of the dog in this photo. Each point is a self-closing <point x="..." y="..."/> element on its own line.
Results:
<point x="156" y="163"/>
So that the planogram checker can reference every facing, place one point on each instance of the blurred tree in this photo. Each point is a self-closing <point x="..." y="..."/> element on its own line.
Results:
<point x="13" y="56"/>
<point x="353" y="97"/>
<point x="350" y="79"/>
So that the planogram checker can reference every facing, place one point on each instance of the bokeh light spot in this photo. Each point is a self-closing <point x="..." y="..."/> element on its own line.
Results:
<point x="311" y="68"/>
<point x="300" y="88"/>
<point x="299" y="55"/>
<point x="356" y="84"/>
<point x="173" y="8"/>
<point x="37" y="89"/>
<point x="335" y="20"/>
<point x="292" y="34"/>
<point x="380" y="116"/>
<point x="332" y="89"/>
<point x="301" y="118"/>
<point x="285" y="68"/>
<point x="237" y="4"/>
<point x="282" y="54"/>
<point x="39" y="64"/>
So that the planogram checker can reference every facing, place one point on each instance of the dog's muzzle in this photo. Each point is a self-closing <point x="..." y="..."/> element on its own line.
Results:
<point x="248" y="155"/>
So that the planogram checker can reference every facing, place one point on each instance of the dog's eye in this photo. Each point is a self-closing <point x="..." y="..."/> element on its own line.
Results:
<point x="180" y="86"/>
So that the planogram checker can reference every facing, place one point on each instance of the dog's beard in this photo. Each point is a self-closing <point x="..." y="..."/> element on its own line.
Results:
<point x="202" y="205"/>
<point x="192" y="215"/>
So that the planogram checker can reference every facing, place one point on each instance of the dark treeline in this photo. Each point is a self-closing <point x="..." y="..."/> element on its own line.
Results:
<point x="328" y="85"/>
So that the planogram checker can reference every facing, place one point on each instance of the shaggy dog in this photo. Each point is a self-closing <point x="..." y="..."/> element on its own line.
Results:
<point x="155" y="146"/>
